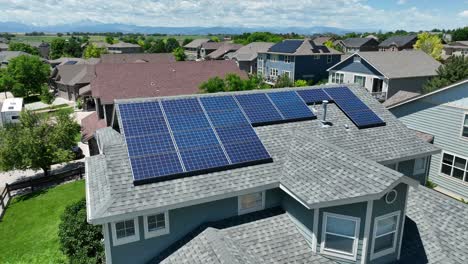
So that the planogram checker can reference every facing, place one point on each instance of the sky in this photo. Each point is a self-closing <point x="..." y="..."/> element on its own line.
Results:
<point x="349" y="14"/>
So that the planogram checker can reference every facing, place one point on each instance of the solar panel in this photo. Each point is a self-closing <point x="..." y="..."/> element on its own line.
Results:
<point x="152" y="144"/>
<point x="286" y="46"/>
<point x="140" y="110"/>
<point x="146" y="168"/>
<point x="206" y="158"/>
<point x="259" y="109"/>
<point x="291" y="106"/>
<point x="354" y="108"/>
<point x="144" y="126"/>
<point x="247" y="152"/>
<point x="313" y="96"/>
<point x="219" y="103"/>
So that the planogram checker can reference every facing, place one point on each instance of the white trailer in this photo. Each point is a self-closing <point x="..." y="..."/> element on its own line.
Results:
<point x="10" y="111"/>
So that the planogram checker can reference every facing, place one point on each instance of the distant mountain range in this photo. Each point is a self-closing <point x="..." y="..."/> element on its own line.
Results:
<point x="95" y="27"/>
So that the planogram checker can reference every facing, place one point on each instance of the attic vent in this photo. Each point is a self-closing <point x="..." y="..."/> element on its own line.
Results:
<point x="357" y="59"/>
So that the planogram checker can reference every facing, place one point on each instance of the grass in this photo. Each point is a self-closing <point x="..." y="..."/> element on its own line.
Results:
<point x="29" y="229"/>
<point x="52" y="107"/>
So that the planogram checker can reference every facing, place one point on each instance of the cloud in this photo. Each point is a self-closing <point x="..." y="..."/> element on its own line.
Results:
<point x="353" y="14"/>
<point x="401" y="2"/>
<point x="464" y="13"/>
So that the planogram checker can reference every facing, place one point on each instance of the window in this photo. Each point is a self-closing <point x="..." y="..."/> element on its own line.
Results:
<point x="391" y="196"/>
<point x="287" y="59"/>
<point x="287" y="73"/>
<point x="251" y="202"/>
<point x="340" y="235"/>
<point x="465" y="126"/>
<point x="361" y="80"/>
<point x="454" y="166"/>
<point x="125" y="231"/>
<point x="316" y="57"/>
<point x="329" y="59"/>
<point x="419" y="166"/>
<point x="337" y="77"/>
<point x="156" y="225"/>
<point x="260" y="66"/>
<point x="393" y="166"/>
<point x="385" y="234"/>
<point x="273" y="72"/>
<point x="274" y="57"/>
<point x="15" y="117"/>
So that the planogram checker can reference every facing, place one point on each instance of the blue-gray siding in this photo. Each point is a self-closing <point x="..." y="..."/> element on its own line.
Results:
<point x="440" y="115"/>
<point x="349" y="65"/>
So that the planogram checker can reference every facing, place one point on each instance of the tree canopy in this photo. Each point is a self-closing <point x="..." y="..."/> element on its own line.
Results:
<point x="232" y="82"/>
<point x="171" y="44"/>
<point x="460" y="34"/>
<point x="430" y="44"/>
<point x="157" y="47"/>
<point x="455" y="69"/>
<point x="248" y="38"/>
<point x="29" y="74"/>
<point x="70" y="47"/>
<point x="18" y="46"/>
<point x="179" y="54"/>
<point x="187" y="41"/>
<point x="93" y="51"/>
<point x="37" y="142"/>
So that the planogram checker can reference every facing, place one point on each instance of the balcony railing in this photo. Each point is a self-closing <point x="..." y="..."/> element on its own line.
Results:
<point x="381" y="96"/>
<point x="270" y="79"/>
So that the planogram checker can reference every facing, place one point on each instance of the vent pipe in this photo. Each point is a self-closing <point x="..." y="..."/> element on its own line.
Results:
<point x="324" y="118"/>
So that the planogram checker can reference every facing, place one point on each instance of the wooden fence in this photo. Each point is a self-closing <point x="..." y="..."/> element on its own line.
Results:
<point x="32" y="184"/>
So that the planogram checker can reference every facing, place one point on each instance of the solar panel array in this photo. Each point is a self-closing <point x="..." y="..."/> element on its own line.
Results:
<point x="313" y="96"/>
<point x="286" y="46"/>
<point x="176" y="138"/>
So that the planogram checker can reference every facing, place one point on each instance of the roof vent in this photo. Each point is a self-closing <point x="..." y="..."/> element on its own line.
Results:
<point x="325" y="123"/>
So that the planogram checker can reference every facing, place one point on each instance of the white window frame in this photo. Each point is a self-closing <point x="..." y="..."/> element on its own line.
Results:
<point x="420" y="170"/>
<point x="241" y="211"/>
<point x="384" y="252"/>
<point x="338" y="253"/>
<point x="159" y="232"/>
<point x="274" y="70"/>
<point x="288" y="73"/>
<point x="120" y="241"/>
<point x="287" y="59"/>
<point x="337" y="77"/>
<point x="465" y="116"/>
<point x="362" y="76"/>
<point x="329" y="59"/>
<point x="274" y="58"/>
<point x="465" y="177"/>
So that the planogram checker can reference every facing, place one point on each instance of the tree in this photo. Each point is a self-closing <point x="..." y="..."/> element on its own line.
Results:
<point x="109" y="39"/>
<point x="93" y="51"/>
<point x="179" y="54"/>
<point x="18" y="46"/>
<point x="171" y="44"/>
<point x="7" y="83"/>
<point x="331" y="45"/>
<point x="80" y="241"/>
<point x="157" y="47"/>
<point x="72" y="48"/>
<point x="214" y="38"/>
<point x="57" y="47"/>
<point x="37" y="142"/>
<point x="187" y="41"/>
<point x="300" y="83"/>
<point x="430" y="44"/>
<point x="213" y="85"/>
<point x="455" y="69"/>
<point x="29" y="73"/>
<point x="233" y="82"/>
<point x="460" y="34"/>
<point x="283" y="81"/>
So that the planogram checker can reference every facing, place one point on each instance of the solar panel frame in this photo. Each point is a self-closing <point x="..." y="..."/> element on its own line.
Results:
<point x="291" y="106"/>
<point x="265" y="115"/>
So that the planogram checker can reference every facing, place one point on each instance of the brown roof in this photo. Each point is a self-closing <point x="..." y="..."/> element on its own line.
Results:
<point x="424" y="136"/>
<point x="399" y="97"/>
<point x="137" y="58"/>
<point x="134" y="80"/>
<point x="75" y="74"/>
<point x="212" y="45"/>
<point x="90" y="124"/>
<point x="221" y="51"/>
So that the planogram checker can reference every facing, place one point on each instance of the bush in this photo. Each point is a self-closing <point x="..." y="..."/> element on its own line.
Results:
<point x="79" y="103"/>
<point x="283" y="81"/>
<point x="80" y="241"/>
<point x="430" y="184"/>
<point x="300" y="83"/>
<point x="46" y="96"/>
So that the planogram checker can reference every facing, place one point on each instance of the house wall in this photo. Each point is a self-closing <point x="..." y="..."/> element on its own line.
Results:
<point x="278" y="64"/>
<point x="108" y="113"/>
<point x="192" y="53"/>
<point x="181" y="222"/>
<point x="406" y="84"/>
<point x="309" y="68"/>
<point x="248" y="66"/>
<point x="440" y="115"/>
<point x="68" y="92"/>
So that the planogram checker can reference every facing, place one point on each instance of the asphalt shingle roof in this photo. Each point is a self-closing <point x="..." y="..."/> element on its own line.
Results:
<point x="355" y="42"/>
<point x="196" y="43"/>
<point x="137" y="57"/>
<point x="331" y="152"/>
<point x="249" y="52"/>
<point x="399" y="41"/>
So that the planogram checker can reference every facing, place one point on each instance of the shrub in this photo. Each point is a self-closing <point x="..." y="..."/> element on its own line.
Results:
<point x="430" y="184"/>
<point x="46" y="96"/>
<point x="300" y="83"/>
<point x="80" y="241"/>
<point x="79" y="103"/>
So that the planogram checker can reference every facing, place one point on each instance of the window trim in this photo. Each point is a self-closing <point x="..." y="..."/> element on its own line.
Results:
<point x="465" y="115"/>
<point x="125" y="240"/>
<point x="271" y="72"/>
<point x="329" y="59"/>
<point x="288" y="60"/>
<point x="160" y="232"/>
<point x="358" y="75"/>
<point x="253" y="209"/>
<point x="288" y="72"/>
<point x="387" y="251"/>
<point x="451" y="172"/>
<point x="334" y="77"/>
<point x="394" y="199"/>
<point x="423" y="169"/>
<point x="338" y="253"/>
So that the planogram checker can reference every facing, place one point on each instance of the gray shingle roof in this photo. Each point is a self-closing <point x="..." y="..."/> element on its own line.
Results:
<point x="402" y="64"/>
<point x="6" y="56"/>
<point x="273" y="239"/>
<point x="399" y="41"/>
<point x="355" y="42"/>
<point x="196" y="43"/>
<point x="399" y="97"/>
<point x="249" y="52"/>
<point x="330" y="160"/>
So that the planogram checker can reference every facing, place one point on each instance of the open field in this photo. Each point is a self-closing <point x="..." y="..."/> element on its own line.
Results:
<point x="29" y="229"/>
<point x="93" y="38"/>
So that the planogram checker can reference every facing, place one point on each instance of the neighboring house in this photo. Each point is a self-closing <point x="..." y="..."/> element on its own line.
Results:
<point x="351" y="45"/>
<point x="124" y="47"/>
<point x="444" y="115"/>
<point x="246" y="57"/>
<point x="43" y="47"/>
<point x="162" y="191"/>
<point x="458" y="48"/>
<point x="397" y="43"/>
<point x="10" y="111"/>
<point x="208" y="47"/>
<point x="372" y="36"/>
<point x="71" y="61"/>
<point x="384" y="73"/>
<point x="192" y="49"/>
<point x="69" y="79"/>
<point x="6" y="56"/>
<point x="138" y="58"/>
<point x="320" y="40"/>
<point x="3" y="46"/>
<point x="299" y="59"/>
<point x="225" y="51"/>
<point x="137" y="80"/>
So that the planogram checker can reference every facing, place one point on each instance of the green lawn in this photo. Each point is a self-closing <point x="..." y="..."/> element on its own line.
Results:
<point x="28" y="231"/>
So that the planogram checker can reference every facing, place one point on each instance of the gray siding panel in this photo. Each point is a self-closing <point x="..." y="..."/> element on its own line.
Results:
<point x="302" y="217"/>
<point x="444" y="123"/>
<point x="406" y="84"/>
